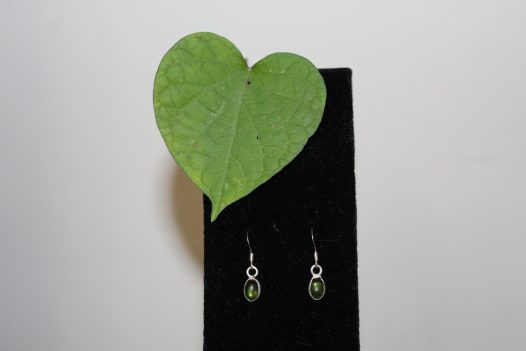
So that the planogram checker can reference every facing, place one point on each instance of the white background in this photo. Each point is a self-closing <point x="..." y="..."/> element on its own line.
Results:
<point x="100" y="233"/>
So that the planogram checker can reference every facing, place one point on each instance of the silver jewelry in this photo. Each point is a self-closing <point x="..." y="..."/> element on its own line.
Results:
<point x="252" y="288"/>
<point x="316" y="284"/>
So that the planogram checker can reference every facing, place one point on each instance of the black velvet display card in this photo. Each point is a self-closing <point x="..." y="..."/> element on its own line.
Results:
<point x="317" y="189"/>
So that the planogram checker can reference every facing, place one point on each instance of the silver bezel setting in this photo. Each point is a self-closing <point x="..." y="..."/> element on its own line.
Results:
<point x="316" y="276"/>
<point x="251" y="279"/>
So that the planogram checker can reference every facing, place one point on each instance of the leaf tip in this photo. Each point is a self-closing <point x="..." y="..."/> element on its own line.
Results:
<point x="216" y="210"/>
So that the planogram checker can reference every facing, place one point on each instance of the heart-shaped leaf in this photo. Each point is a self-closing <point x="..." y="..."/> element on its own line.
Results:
<point x="229" y="126"/>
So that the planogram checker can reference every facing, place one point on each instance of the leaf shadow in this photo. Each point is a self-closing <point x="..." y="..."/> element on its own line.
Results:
<point x="187" y="209"/>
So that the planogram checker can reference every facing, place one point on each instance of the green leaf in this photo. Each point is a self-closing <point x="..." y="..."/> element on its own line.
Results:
<point x="231" y="127"/>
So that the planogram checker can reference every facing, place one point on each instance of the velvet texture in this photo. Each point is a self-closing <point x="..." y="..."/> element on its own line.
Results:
<point x="317" y="189"/>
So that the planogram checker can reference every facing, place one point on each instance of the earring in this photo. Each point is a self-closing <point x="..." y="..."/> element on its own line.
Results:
<point x="316" y="285"/>
<point x="252" y="288"/>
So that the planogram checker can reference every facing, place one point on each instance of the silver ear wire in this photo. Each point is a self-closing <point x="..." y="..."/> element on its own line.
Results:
<point x="251" y="256"/>
<point x="315" y="248"/>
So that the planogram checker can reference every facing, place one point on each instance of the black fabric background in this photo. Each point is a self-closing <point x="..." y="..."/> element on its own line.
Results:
<point x="316" y="189"/>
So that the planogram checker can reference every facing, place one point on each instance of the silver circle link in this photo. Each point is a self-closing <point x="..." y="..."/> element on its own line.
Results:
<point x="254" y="269"/>
<point x="316" y="266"/>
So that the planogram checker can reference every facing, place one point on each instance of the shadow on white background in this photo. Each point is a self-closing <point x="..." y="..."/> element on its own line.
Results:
<point x="187" y="207"/>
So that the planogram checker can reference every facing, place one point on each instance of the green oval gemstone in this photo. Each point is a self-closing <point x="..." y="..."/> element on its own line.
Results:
<point x="252" y="290"/>
<point x="317" y="288"/>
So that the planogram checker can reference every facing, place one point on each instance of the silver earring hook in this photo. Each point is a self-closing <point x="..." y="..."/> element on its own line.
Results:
<point x="251" y="257"/>
<point x="315" y="248"/>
